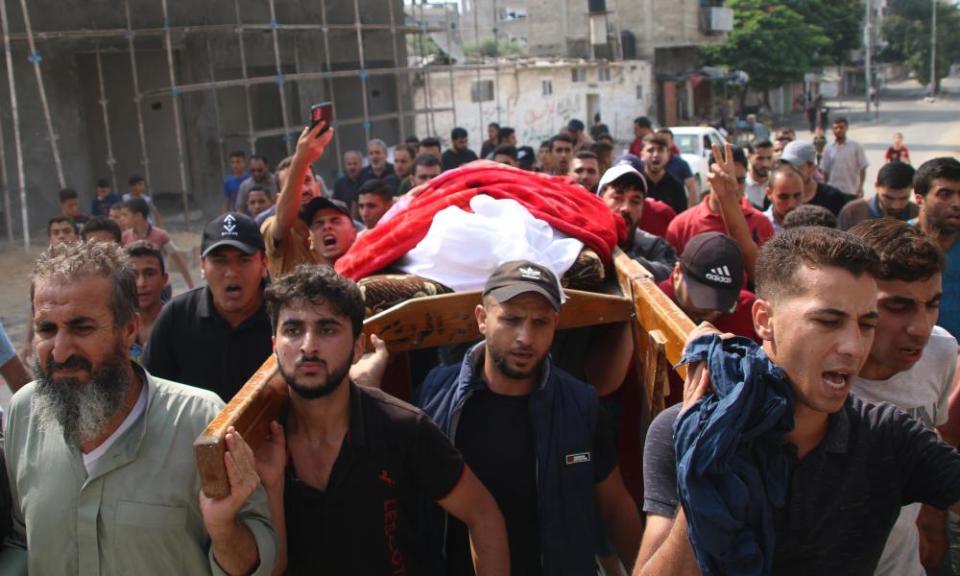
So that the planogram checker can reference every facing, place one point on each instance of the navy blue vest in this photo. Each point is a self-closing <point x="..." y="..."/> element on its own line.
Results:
<point x="563" y="412"/>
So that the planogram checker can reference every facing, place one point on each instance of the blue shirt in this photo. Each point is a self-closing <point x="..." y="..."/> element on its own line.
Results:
<point x="950" y="302"/>
<point x="231" y="186"/>
<point x="679" y="168"/>
<point x="101" y="207"/>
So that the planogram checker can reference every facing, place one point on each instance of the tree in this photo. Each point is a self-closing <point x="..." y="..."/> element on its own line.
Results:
<point x="841" y="22"/>
<point x="770" y="42"/>
<point x="906" y="29"/>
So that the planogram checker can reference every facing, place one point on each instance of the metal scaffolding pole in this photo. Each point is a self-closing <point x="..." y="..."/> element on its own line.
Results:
<point x="330" y="87"/>
<point x="476" y="39"/>
<point x="35" y="58"/>
<point x="5" y="182"/>
<point x="363" y="70"/>
<point x="396" y="58"/>
<point x="281" y="81"/>
<point x="197" y="29"/>
<point x="15" y="114"/>
<point x="181" y="160"/>
<point x="137" y="96"/>
<point x="216" y="111"/>
<point x="428" y="90"/>
<point x="453" y="100"/>
<point x="251" y="140"/>
<point x="111" y="160"/>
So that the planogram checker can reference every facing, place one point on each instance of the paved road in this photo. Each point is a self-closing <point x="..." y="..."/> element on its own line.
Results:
<point x="930" y="129"/>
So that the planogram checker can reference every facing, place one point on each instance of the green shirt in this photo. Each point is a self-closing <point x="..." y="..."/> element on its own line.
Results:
<point x="138" y="510"/>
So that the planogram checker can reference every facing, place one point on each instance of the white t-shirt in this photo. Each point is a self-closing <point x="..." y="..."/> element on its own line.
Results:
<point x="90" y="458"/>
<point x="922" y="392"/>
<point x="843" y="163"/>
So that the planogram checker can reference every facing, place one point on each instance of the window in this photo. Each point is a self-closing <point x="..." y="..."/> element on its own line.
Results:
<point x="639" y="92"/>
<point x="547" y="87"/>
<point x="578" y="74"/>
<point x="603" y="74"/>
<point x="481" y="90"/>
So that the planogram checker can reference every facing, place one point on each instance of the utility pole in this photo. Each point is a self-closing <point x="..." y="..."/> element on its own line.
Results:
<point x="933" y="51"/>
<point x="868" y="48"/>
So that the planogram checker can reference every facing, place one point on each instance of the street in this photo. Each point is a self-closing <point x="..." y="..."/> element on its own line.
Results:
<point x="930" y="129"/>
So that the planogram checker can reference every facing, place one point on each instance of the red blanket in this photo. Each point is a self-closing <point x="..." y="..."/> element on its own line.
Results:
<point x="565" y="206"/>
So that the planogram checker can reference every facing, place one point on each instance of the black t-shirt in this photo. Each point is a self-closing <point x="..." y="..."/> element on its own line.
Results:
<point x="498" y="442"/>
<point x="452" y="159"/>
<point x="192" y="344"/>
<point x="830" y="198"/>
<point x="668" y="190"/>
<point x="365" y="521"/>
<point x="844" y="496"/>
<point x="496" y="439"/>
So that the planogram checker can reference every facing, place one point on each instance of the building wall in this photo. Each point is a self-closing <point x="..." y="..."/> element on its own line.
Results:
<point x="521" y="103"/>
<point x="69" y="72"/>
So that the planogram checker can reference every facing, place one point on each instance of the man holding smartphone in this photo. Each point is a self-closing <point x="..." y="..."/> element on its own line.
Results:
<point x="307" y="228"/>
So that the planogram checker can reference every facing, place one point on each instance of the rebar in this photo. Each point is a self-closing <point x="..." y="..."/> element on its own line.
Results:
<point x="111" y="160"/>
<point x="15" y="114"/>
<point x="181" y="160"/>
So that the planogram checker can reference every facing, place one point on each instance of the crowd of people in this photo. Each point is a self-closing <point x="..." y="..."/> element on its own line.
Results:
<point x="814" y="432"/>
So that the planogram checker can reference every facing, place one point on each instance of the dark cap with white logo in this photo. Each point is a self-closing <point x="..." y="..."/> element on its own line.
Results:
<point x="517" y="277"/>
<point x="712" y="267"/>
<point x="231" y="229"/>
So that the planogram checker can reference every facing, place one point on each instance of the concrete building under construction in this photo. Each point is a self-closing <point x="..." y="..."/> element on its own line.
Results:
<point x="167" y="88"/>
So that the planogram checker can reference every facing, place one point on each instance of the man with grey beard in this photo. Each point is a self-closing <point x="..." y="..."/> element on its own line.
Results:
<point x="99" y="452"/>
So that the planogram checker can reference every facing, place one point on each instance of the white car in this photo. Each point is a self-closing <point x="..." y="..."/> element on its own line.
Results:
<point x="695" y="144"/>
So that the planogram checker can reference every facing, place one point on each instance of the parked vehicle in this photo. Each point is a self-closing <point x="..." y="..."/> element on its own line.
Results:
<point x="695" y="144"/>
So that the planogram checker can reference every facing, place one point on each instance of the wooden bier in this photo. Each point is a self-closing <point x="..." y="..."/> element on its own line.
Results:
<point x="449" y="319"/>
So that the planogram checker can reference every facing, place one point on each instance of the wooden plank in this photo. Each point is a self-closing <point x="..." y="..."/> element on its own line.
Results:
<point x="250" y="411"/>
<point x="655" y="371"/>
<point x="654" y="310"/>
<point x="449" y="318"/>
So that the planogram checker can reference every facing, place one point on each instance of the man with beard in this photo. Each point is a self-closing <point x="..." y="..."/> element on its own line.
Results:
<point x="936" y="188"/>
<point x="660" y="184"/>
<point x="761" y="160"/>
<point x="216" y="336"/>
<point x="348" y="468"/>
<point x="260" y="175"/>
<point x="307" y="228"/>
<point x="458" y="154"/>
<point x="893" y="189"/>
<point x="585" y="170"/>
<point x="847" y="466"/>
<point x="100" y="452"/>
<point x="911" y="364"/>
<point x="536" y="436"/>
<point x="623" y="190"/>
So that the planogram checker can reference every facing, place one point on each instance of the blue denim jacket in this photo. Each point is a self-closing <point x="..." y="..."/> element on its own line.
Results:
<point x="731" y="468"/>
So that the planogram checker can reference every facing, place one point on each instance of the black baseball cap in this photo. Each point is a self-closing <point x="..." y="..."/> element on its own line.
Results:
<point x="517" y="277"/>
<point x="712" y="267"/>
<point x="231" y="229"/>
<point x="321" y="203"/>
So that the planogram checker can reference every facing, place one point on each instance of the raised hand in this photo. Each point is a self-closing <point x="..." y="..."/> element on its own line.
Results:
<point x="723" y="173"/>
<point x="312" y="143"/>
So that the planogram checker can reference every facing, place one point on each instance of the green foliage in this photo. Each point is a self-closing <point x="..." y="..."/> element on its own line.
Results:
<point x="906" y="29"/>
<point x="490" y="48"/>
<point x="770" y="42"/>
<point x="840" y="20"/>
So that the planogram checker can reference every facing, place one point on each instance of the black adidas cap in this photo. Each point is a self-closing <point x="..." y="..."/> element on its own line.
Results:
<point x="712" y="267"/>
<point x="512" y="279"/>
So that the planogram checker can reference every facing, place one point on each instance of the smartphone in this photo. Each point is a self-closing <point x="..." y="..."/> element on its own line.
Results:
<point x="322" y="111"/>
